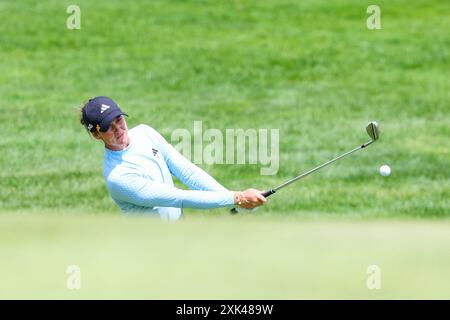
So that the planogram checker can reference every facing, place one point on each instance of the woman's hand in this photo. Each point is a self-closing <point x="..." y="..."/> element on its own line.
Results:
<point x="249" y="199"/>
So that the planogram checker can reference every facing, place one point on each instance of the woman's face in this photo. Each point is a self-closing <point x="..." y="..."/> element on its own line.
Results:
<point x="116" y="137"/>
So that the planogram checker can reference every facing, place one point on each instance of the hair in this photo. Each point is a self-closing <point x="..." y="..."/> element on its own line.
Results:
<point x="83" y="123"/>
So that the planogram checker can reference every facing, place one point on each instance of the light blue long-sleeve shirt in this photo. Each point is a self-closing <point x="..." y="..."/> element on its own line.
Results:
<point x="139" y="178"/>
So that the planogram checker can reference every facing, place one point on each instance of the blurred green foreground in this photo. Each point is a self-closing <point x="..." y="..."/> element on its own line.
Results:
<point x="240" y="257"/>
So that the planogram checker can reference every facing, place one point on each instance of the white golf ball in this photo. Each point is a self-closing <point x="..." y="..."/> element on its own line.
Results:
<point x="385" y="170"/>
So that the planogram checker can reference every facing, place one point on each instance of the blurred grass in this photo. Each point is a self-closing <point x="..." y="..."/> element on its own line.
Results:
<point x="206" y="257"/>
<point x="311" y="69"/>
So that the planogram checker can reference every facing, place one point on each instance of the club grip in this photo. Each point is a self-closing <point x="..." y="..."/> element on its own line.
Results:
<point x="265" y="194"/>
<point x="268" y="193"/>
<point x="234" y="211"/>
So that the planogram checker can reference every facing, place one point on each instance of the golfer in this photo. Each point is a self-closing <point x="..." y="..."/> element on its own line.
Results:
<point x="139" y="163"/>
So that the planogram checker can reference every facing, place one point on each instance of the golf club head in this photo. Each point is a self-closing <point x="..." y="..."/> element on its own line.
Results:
<point x="373" y="130"/>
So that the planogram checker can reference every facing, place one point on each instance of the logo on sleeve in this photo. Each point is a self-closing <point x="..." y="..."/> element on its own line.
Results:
<point x="154" y="151"/>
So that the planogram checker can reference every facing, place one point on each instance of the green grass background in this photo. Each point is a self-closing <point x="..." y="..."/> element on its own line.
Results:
<point x="311" y="69"/>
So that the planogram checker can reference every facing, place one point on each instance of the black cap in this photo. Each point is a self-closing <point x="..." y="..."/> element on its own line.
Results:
<point x="99" y="112"/>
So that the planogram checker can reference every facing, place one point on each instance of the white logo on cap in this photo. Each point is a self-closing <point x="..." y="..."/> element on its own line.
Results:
<point x="90" y="126"/>
<point x="104" y="108"/>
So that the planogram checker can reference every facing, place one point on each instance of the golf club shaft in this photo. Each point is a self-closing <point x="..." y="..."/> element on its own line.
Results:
<point x="272" y="191"/>
<point x="373" y="131"/>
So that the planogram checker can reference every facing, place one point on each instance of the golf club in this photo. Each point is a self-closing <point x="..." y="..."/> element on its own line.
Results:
<point x="372" y="129"/>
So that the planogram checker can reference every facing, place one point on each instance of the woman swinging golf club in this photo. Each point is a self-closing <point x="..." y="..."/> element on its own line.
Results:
<point x="139" y="163"/>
